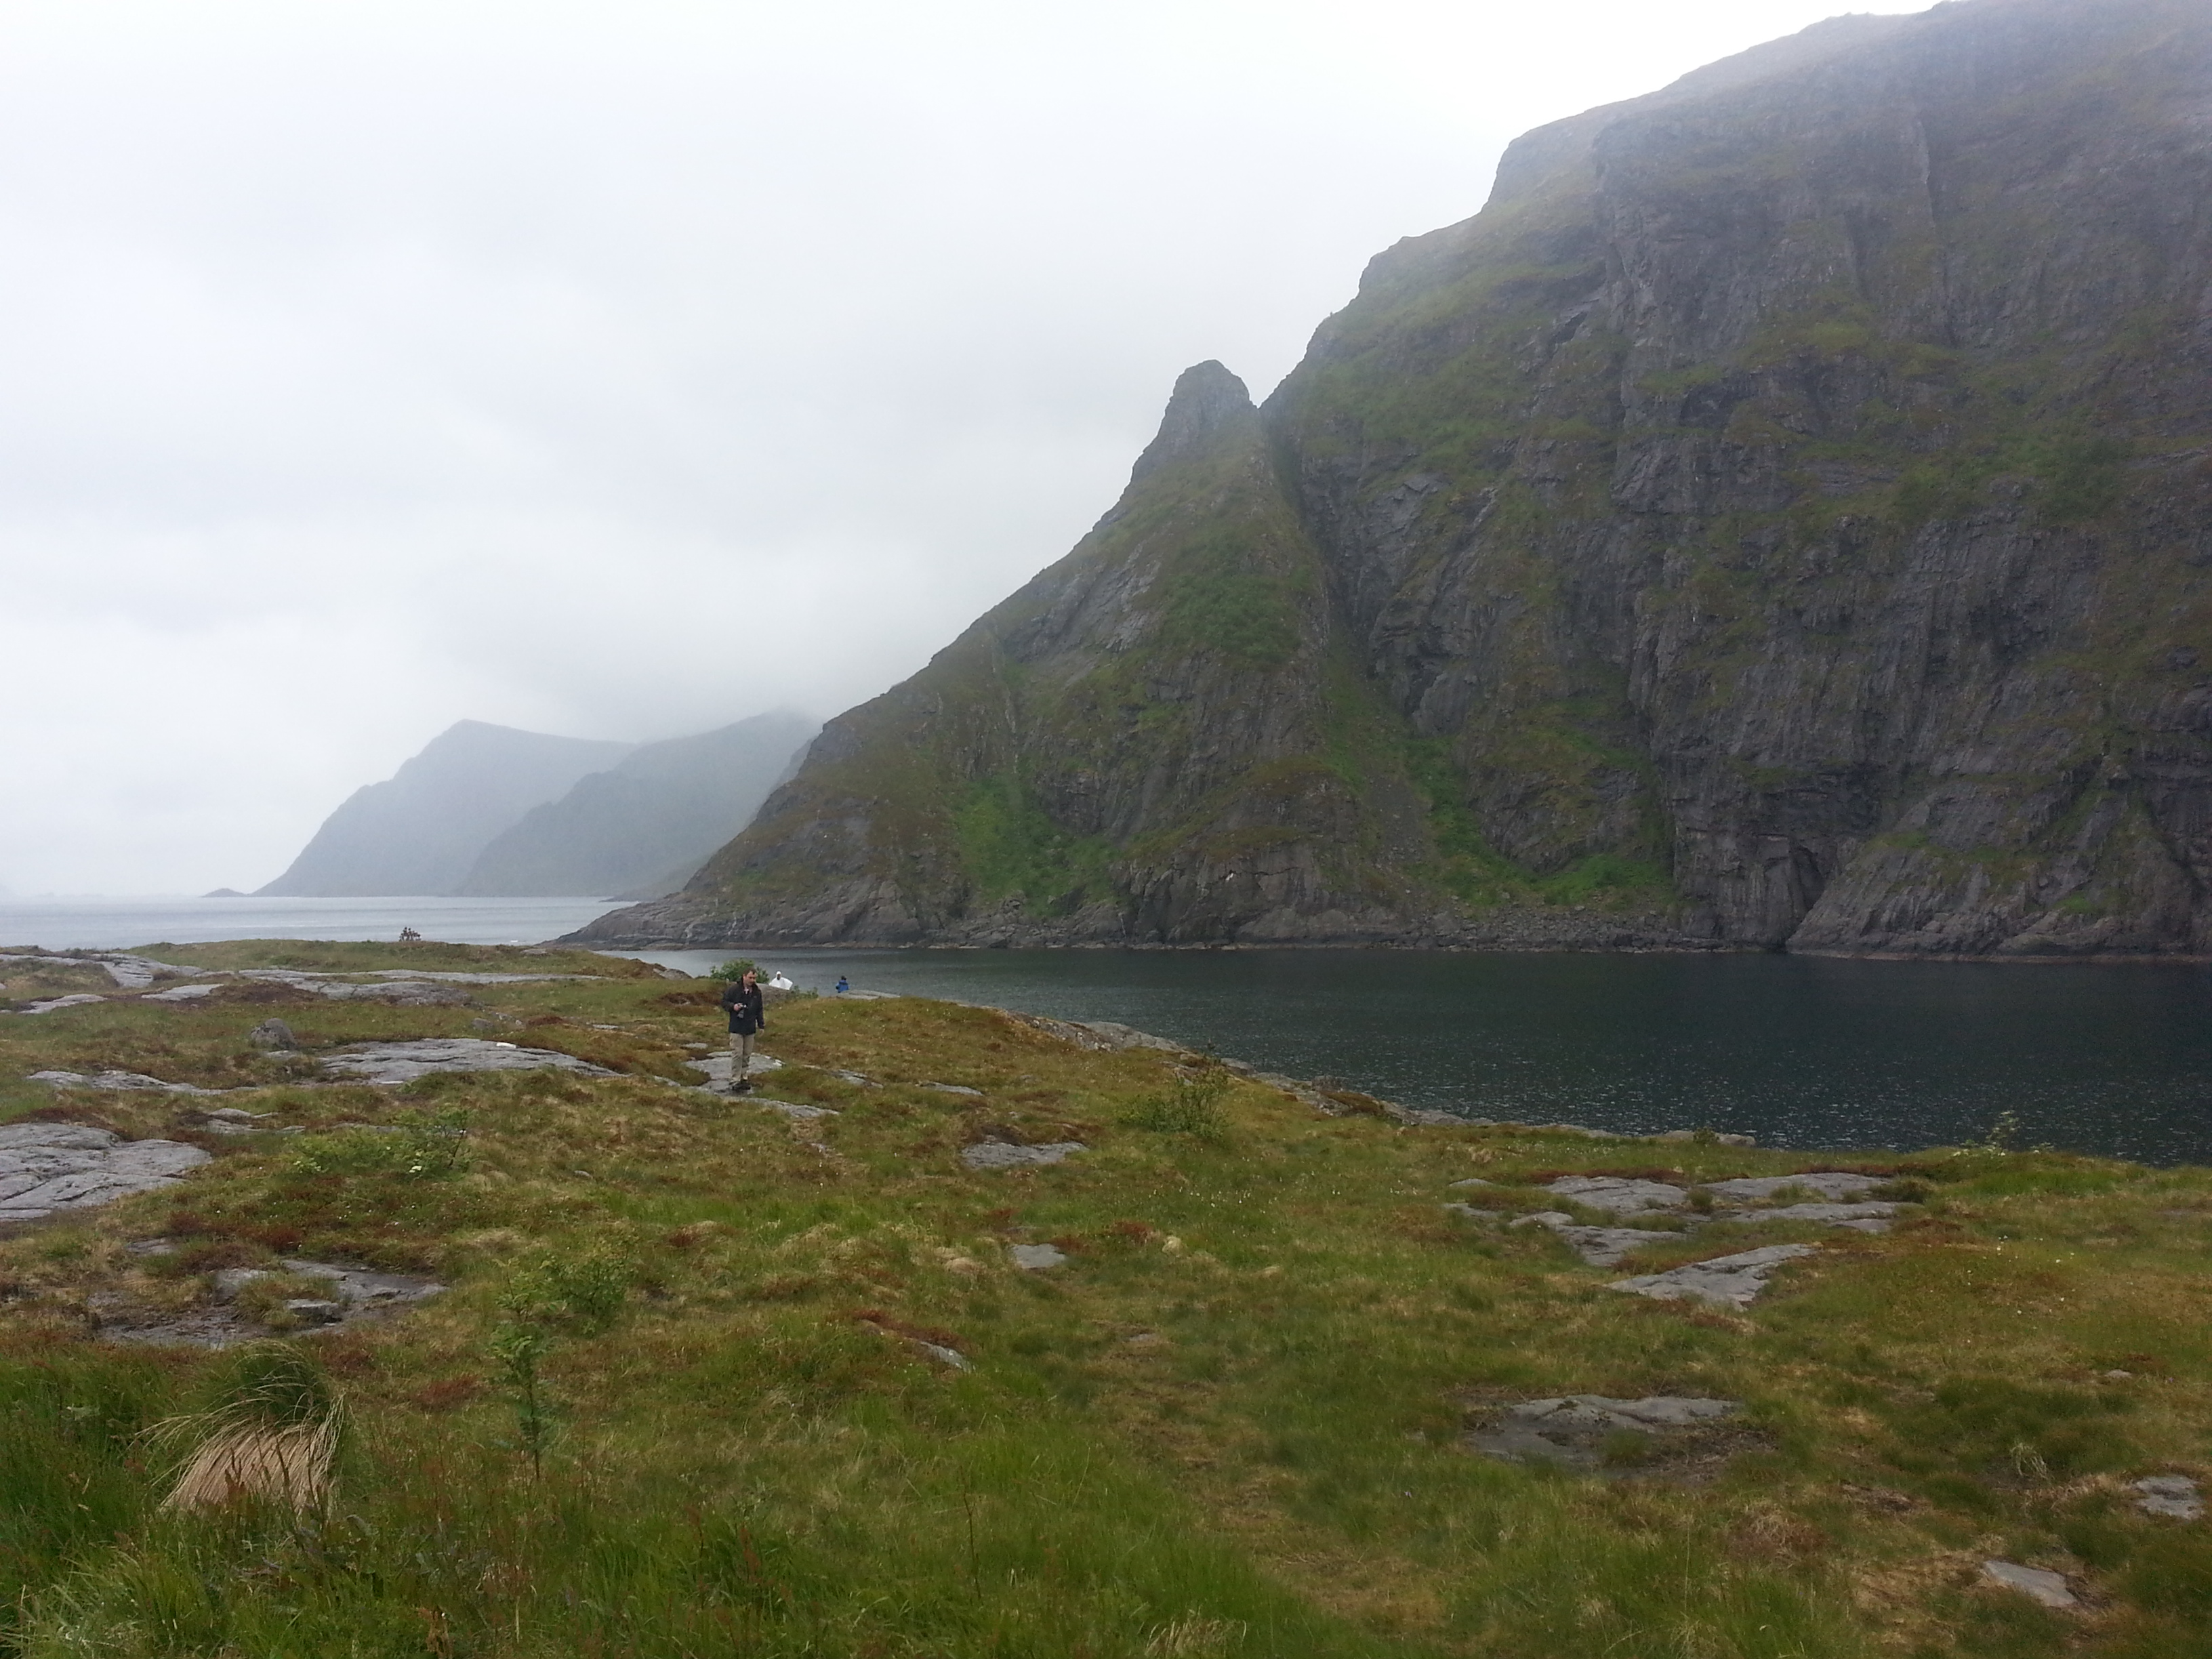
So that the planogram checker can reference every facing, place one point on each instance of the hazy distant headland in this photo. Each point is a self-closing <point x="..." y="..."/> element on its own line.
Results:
<point x="489" y="811"/>
<point x="1778" y="520"/>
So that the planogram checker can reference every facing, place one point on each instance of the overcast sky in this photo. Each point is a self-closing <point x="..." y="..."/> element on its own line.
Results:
<point x="624" y="368"/>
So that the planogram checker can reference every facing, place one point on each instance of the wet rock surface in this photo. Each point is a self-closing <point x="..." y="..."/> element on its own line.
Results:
<point x="402" y="1062"/>
<point x="346" y="1295"/>
<point x="1006" y="1155"/>
<point x="50" y="1167"/>
<point x="1585" y="1430"/>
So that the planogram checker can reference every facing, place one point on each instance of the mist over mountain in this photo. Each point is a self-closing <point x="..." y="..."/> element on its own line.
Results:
<point x="1780" y="519"/>
<point x="643" y="827"/>
<point x="422" y="829"/>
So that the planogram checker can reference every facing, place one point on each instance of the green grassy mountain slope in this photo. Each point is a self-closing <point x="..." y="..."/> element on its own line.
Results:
<point x="1779" y="518"/>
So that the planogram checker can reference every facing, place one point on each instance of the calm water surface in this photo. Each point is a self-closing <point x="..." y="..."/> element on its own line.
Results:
<point x="114" y="924"/>
<point x="1798" y="1051"/>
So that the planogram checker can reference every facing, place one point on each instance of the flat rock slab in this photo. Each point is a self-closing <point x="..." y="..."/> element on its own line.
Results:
<point x="45" y="1167"/>
<point x="351" y="1295"/>
<point x="716" y="1067"/>
<point x="798" y="1111"/>
<point x="1727" y="1281"/>
<point x="115" y="1081"/>
<point x="1833" y="1185"/>
<point x="1004" y="1155"/>
<point x="2048" y="1588"/>
<point x="1618" y="1194"/>
<point x="1573" y="1428"/>
<point x="181" y="993"/>
<point x="2175" y="1496"/>
<point x="51" y="1004"/>
<point x="402" y="1062"/>
<point x="130" y="973"/>
<point x="955" y="1089"/>
<point x="1601" y="1246"/>
<point x="1036" y="1258"/>
<point x="1869" y="1218"/>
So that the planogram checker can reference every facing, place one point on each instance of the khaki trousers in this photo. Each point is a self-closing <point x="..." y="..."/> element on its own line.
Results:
<point x="741" y="1055"/>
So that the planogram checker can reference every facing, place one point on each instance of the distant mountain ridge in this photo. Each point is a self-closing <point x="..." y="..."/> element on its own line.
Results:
<point x="422" y="829"/>
<point x="643" y="827"/>
<point x="1781" y="519"/>
<point x="487" y="810"/>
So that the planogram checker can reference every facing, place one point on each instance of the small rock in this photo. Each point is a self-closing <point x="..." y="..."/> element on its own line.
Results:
<point x="2118" y="1375"/>
<point x="2175" y="1496"/>
<point x="1470" y="1212"/>
<point x="798" y="1111"/>
<point x="857" y="1079"/>
<point x="1573" y="1428"/>
<point x="1036" y="1258"/>
<point x="1473" y="1181"/>
<point x="943" y="1355"/>
<point x="1728" y="1281"/>
<point x="955" y="1089"/>
<point x="229" y="1281"/>
<point x="1003" y="1154"/>
<point x="2048" y="1588"/>
<point x="272" y="1034"/>
<point x="313" y="1310"/>
<point x="233" y="1115"/>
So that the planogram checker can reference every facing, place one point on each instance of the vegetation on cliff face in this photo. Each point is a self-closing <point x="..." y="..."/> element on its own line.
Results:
<point x="1777" y="518"/>
<point x="688" y="1393"/>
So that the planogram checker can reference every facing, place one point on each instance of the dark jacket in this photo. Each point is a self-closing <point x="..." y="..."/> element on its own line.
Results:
<point x="746" y="1011"/>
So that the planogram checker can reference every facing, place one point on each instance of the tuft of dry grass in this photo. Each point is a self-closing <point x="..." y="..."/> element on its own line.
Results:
<point x="289" y="1467"/>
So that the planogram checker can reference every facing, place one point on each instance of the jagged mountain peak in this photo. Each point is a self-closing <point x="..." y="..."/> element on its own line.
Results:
<point x="1207" y="405"/>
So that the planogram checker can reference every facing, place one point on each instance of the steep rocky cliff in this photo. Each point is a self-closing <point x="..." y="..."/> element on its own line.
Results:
<point x="1781" y="516"/>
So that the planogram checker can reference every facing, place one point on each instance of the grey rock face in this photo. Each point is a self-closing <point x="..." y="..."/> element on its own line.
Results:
<point x="181" y="993"/>
<point x="272" y="1034"/>
<point x="1036" y="1258"/>
<point x="1859" y="1218"/>
<point x="45" y="1167"/>
<point x="115" y="1081"/>
<point x="1003" y="1155"/>
<point x="402" y="1062"/>
<point x="2048" y="1588"/>
<point x="1601" y="1246"/>
<point x="48" y="1005"/>
<point x="1728" y="1281"/>
<point x="1619" y="1195"/>
<point x="2174" y="1495"/>
<point x="1573" y="1428"/>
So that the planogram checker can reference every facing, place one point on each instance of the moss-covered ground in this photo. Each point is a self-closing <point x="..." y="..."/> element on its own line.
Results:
<point x="1230" y="1424"/>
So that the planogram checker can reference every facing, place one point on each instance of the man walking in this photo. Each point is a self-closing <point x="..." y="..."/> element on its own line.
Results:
<point x="742" y="1001"/>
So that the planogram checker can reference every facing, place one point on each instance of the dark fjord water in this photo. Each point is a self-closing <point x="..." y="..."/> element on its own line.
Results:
<point x="1798" y="1051"/>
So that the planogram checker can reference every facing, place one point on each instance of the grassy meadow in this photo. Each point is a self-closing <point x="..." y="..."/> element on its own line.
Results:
<point x="688" y="1395"/>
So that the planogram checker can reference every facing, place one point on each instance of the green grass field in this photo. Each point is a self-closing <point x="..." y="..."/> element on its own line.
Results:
<point x="681" y="1399"/>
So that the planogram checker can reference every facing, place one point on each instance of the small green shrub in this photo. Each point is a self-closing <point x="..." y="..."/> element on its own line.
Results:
<point x="585" y="1293"/>
<point x="1191" y="1106"/>
<point x="419" y="1146"/>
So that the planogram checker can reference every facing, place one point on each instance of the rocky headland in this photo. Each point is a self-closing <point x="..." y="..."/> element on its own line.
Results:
<point x="1776" y="521"/>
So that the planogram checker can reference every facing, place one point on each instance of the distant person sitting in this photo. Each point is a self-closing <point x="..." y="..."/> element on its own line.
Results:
<point x="843" y="985"/>
<point x="408" y="936"/>
<point x="743" y="1002"/>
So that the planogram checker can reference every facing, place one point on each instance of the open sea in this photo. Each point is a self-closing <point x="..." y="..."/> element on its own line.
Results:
<point x="1799" y="1051"/>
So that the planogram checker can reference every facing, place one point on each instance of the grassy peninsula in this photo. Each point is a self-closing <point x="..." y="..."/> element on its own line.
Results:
<point x="712" y="1378"/>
